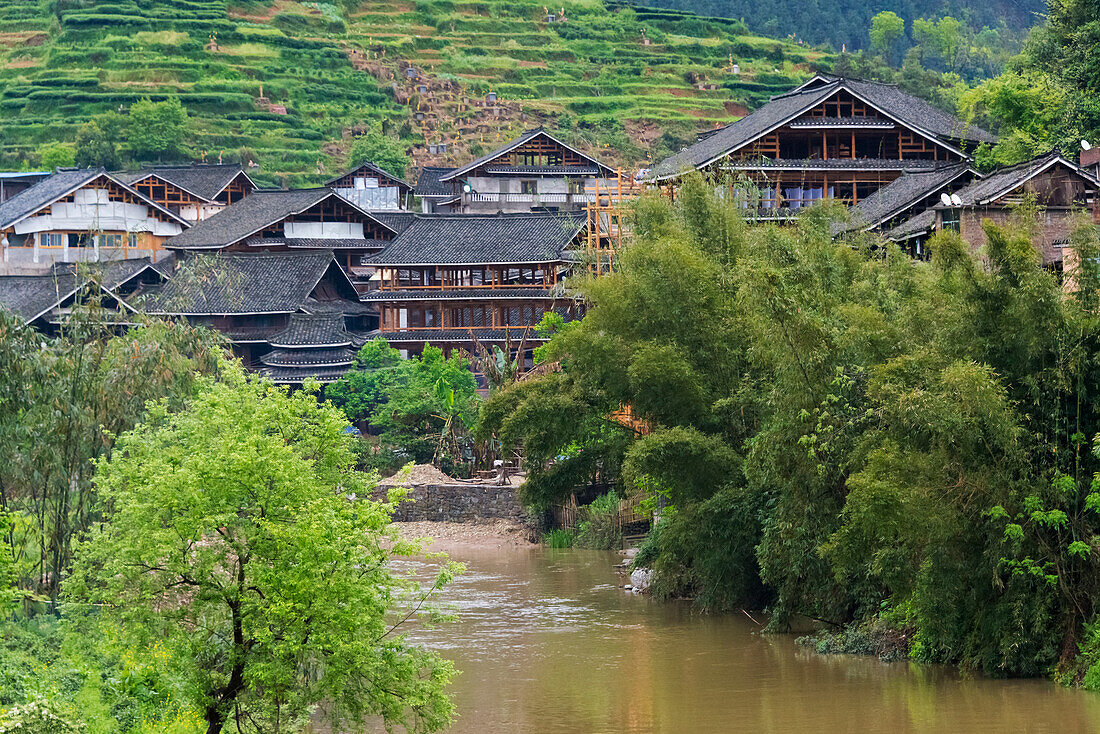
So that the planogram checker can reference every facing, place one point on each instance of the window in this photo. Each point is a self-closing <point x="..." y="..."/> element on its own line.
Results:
<point x="951" y="219"/>
<point x="110" y="240"/>
<point x="52" y="239"/>
<point x="528" y="187"/>
<point x="133" y="239"/>
<point x="81" y="239"/>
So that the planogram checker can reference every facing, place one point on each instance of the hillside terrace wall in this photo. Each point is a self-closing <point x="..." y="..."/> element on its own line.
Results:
<point x="457" y="503"/>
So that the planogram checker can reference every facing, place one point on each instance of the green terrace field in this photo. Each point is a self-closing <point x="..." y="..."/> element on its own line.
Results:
<point x="633" y="83"/>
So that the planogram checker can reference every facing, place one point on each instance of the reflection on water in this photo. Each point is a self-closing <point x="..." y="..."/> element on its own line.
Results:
<point x="548" y="643"/>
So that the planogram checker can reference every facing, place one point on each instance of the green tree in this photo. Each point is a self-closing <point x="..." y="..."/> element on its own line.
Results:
<point x="56" y="155"/>
<point x="69" y="397"/>
<point x="157" y="130"/>
<point x="384" y="151"/>
<point x="97" y="141"/>
<point x="887" y="28"/>
<point x="240" y="535"/>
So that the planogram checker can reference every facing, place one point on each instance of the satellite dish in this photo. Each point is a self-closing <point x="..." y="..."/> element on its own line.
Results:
<point x="1085" y="145"/>
<point x="945" y="199"/>
<point x="956" y="200"/>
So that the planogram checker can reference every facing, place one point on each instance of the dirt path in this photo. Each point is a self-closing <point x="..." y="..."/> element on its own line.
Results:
<point x="489" y="534"/>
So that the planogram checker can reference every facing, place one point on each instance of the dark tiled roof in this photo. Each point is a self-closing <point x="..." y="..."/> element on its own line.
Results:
<point x="371" y="168"/>
<point x="260" y="283"/>
<point x="460" y="239"/>
<point x="335" y="357"/>
<point x="203" y="180"/>
<point x="817" y="164"/>
<point x="320" y="243"/>
<point x="458" y="294"/>
<point x="248" y="216"/>
<point x="918" y="225"/>
<point x="842" y="122"/>
<point x="428" y="183"/>
<point x="111" y="273"/>
<point x="512" y="145"/>
<point x="339" y="305"/>
<point x="44" y="192"/>
<point x="904" y="107"/>
<point x="30" y="296"/>
<point x="457" y="335"/>
<point x="297" y="375"/>
<point x="313" y="330"/>
<point x="1004" y="180"/>
<point x="906" y="190"/>
<point x="397" y="221"/>
<point x="545" y="170"/>
<point x="915" y="111"/>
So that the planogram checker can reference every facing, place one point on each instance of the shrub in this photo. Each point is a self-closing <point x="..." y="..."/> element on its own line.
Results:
<point x="599" y="528"/>
<point x="559" y="538"/>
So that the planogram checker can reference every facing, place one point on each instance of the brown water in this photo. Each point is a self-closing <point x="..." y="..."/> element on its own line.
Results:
<point x="548" y="643"/>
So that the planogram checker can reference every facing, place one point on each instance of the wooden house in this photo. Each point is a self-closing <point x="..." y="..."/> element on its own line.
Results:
<point x="264" y="303"/>
<point x="435" y="196"/>
<point x="1060" y="189"/>
<point x="830" y="138"/>
<point x="45" y="301"/>
<point x="908" y="196"/>
<point x="80" y="215"/>
<point x="372" y="189"/>
<point x="300" y="219"/>
<point x="450" y="279"/>
<point x="14" y="182"/>
<point x="534" y="172"/>
<point x="194" y="192"/>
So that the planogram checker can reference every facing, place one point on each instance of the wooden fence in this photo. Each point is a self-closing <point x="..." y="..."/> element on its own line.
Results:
<point x="630" y="511"/>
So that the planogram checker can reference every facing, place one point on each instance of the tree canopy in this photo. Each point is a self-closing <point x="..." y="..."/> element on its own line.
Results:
<point x="239" y="534"/>
<point x="837" y="431"/>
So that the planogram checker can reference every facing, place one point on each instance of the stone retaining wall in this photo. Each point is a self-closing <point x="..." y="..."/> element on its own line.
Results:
<point x="458" y="503"/>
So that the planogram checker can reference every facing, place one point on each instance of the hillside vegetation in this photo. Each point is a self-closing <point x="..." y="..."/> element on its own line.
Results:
<point x="633" y="83"/>
<point x="845" y="22"/>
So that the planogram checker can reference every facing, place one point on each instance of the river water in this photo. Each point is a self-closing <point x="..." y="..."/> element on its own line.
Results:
<point x="548" y="642"/>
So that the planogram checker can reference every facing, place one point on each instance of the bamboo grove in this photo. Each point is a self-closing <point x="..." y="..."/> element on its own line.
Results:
<point x="842" y="433"/>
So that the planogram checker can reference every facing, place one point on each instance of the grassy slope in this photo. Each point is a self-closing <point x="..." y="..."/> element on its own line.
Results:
<point x="338" y="67"/>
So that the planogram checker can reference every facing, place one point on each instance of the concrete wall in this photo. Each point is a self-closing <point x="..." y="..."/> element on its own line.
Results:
<point x="458" y="503"/>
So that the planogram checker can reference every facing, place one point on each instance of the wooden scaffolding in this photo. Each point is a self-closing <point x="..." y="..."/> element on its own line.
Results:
<point x="608" y="207"/>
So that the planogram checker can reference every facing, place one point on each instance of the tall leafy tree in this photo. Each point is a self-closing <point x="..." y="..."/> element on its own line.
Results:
<point x="157" y="130"/>
<point x="239" y="533"/>
<point x="887" y="29"/>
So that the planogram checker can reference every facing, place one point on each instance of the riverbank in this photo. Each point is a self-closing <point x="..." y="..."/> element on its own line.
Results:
<point x="486" y="534"/>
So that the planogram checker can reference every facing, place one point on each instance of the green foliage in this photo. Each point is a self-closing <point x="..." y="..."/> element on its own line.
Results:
<point x="384" y="151"/>
<point x="56" y="155"/>
<point x="560" y="538"/>
<point x="37" y="717"/>
<point x="597" y="525"/>
<point x="424" y="407"/>
<point x="851" y="437"/>
<point x="235" y="538"/>
<point x="66" y="399"/>
<point x="97" y="142"/>
<point x="887" y="28"/>
<point x="157" y="130"/>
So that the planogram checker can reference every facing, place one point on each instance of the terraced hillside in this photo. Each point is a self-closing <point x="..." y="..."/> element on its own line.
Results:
<point x="288" y="84"/>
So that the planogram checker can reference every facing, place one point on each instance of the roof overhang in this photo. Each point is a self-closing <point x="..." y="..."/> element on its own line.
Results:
<point x="915" y="199"/>
<point x="154" y="174"/>
<point x="817" y="99"/>
<point x="463" y="170"/>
